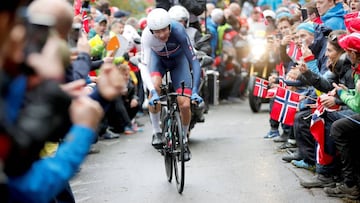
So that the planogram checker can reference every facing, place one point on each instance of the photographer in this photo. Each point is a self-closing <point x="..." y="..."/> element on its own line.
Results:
<point x="24" y="131"/>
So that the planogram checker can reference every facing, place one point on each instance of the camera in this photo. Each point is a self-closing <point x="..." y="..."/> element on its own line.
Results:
<point x="38" y="28"/>
<point x="270" y="39"/>
<point x="37" y="32"/>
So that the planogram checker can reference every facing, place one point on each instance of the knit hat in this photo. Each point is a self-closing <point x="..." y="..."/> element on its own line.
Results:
<point x="352" y="22"/>
<point x="283" y="15"/>
<point x="308" y="26"/>
<point x="282" y="12"/>
<point x="350" y="42"/>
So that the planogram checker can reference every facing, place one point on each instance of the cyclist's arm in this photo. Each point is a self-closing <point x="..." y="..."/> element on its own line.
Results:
<point x="145" y="59"/>
<point x="190" y="55"/>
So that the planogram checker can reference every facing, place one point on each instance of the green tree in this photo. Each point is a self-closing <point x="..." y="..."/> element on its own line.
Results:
<point x="136" y="7"/>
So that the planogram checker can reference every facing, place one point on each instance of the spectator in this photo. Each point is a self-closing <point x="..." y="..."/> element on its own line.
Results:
<point x="332" y="14"/>
<point x="327" y="170"/>
<point x="345" y="130"/>
<point x="313" y="13"/>
<point x="314" y="42"/>
<point x="215" y="19"/>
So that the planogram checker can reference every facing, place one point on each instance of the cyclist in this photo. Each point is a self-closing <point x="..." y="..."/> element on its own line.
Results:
<point x="167" y="47"/>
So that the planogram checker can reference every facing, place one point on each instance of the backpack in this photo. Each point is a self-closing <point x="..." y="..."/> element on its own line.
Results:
<point x="196" y="7"/>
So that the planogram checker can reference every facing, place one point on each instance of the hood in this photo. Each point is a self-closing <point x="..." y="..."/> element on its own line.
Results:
<point x="336" y="11"/>
<point x="342" y="65"/>
<point x="320" y="40"/>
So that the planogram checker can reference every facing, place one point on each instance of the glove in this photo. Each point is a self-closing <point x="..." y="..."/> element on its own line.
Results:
<point x="154" y="98"/>
<point x="195" y="97"/>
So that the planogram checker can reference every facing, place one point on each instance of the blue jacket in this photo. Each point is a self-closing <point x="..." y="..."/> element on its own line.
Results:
<point x="273" y="4"/>
<point x="211" y="26"/>
<point x="334" y="17"/>
<point x="318" y="47"/>
<point x="79" y="69"/>
<point x="47" y="177"/>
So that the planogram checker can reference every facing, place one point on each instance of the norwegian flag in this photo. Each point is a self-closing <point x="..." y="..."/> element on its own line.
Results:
<point x="285" y="106"/>
<point x="281" y="70"/>
<point x="85" y="22"/>
<point x="293" y="51"/>
<point x="77" y="7"/>
<point x="271" y="92"/>
<point x="317" y="129"/>
<point x="261" y="87"/>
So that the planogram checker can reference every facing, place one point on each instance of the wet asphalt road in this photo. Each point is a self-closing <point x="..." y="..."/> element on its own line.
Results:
<point x="231" y="162"/>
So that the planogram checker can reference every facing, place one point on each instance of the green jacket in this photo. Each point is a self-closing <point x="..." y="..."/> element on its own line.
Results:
<point x="221" y="31"/>
<point x="351" y="97"/>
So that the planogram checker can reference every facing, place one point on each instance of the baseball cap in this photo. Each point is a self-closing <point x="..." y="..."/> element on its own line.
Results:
<point x="121" y="13"/>
<point x="100" y="18"/>
<point x="350" y="42"/>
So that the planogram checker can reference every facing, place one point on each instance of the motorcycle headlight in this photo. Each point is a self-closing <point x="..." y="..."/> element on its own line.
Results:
<point x="257" y="49"/>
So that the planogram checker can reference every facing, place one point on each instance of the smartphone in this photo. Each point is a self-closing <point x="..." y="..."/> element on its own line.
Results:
<point x="74" y="35"/>
<point x="38" y="29"/>
<point x="270" y="39"/>
<point x="304" y="14"/>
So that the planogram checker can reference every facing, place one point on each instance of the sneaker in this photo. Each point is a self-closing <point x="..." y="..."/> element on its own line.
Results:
<point x="287" y="145"/>
<point x="110" y="134"/>
<point x="342" y="190"/>
<point x="135" y="127"/>
<point x="282" y="138"/>
<point x="318" y="181"/>
<point x="93" y="150"/>
<point x="291" y="156"/>
<point x="157" y="141"/>
<point x="292" y="150"/>
<point x="129" y="130"/>
<point x="272" y="134"/>
<point x="303" y="164"/>
<point x="187" y="153"/>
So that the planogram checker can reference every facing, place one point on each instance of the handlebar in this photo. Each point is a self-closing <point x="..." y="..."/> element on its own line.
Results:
<point x="173" y="94"/>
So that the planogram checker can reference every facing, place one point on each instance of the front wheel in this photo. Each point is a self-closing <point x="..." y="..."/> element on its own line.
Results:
<point x="179" y="150"/>
<point x="168" y="165"/>
<point x="168" y="158"/>
<point x="254" y="101"/>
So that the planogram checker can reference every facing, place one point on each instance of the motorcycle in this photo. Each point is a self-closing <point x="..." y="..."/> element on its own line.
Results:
<point x="260" y="63"/>
<point x="202" y="51"/>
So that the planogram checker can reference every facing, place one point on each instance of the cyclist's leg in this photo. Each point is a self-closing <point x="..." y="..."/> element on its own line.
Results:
<point x="181" y="72"/>
<point x="156" y="71"/>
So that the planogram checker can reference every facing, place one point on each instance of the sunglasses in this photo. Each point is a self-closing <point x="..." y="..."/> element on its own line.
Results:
<point x="333" y="38"/>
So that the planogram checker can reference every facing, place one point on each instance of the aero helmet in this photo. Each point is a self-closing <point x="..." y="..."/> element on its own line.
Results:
<point x="179" y="13"/>
<point x="158" y="19"/>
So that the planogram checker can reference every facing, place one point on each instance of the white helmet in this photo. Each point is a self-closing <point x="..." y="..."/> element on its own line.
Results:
<point x="269" y="13"/>
<point x="158" y="19"/>
<point x="179" y="13"/>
